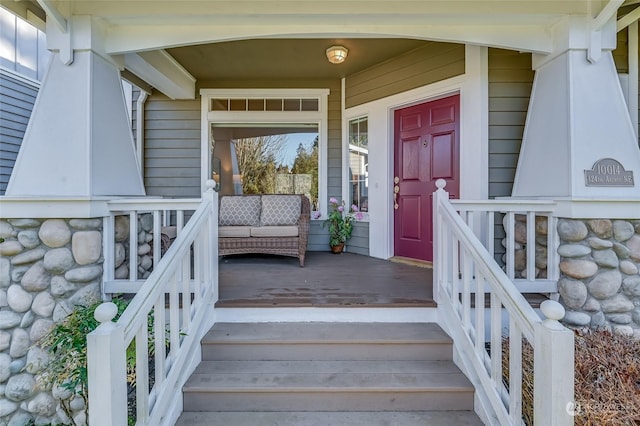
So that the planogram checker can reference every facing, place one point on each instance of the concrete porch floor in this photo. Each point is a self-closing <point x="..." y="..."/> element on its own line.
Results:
<point x="326" y="280"/>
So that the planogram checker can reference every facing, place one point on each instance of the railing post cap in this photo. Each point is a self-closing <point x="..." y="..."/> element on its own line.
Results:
<point x="441" y="183"/>
<point x="552" y="310"/>
<point x="210" y="184"/>
<point x="105" y="312"/>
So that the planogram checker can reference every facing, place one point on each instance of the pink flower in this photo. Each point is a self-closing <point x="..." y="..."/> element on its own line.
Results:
<point x="354" y="208"/>
<point x="316" y="215"/>
<point x="359" y="216"/>
<point x="340" y="208"/>
<point x="333" y="200"/>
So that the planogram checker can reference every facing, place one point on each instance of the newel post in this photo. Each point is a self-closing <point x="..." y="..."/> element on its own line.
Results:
<point x="553" y="369"/>
<point x="106" y="364"/>
<point x="438" y="245"/>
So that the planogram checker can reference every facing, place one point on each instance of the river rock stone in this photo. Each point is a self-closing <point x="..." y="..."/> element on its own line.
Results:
<point x="5" y="272"/>
<point x="28" y="257"/>
<point x="605" y="258"/>
<point x="9" y="319"/>
<point x="622" y="230"/>
<point x="603" y="228"/>
<point x="146" y="263"/>
<point x="619" y="318"/>
<point x="143" y="249"/>
<point x="122" y="272"/>
<point x="59" y="260"/>
<point x="621" y="250"/>
<point x="5" y="340"/>
<point x="17" y="272"/>
<point x="3" y="298"/>
<point x="84" y="274"/>
<point x="572" y="230"/>
<point x="61" y="311"/>
<point x="633" y="244"/>
<point x="36" y="278"/>
<point x="55" y="233"/>
<point x="591" y="305"/>
<point x="27" y="319"/>
<point x="25" y="223"/>
<point x="59" y="392"/>
<point x="42" y="404"/>
<point x="624" y="330"/>
<point x="86" y="247"/>
<point x="578" y="268"/>
<point x="18" y="299"/>
<point x="61" y="287"/>
<point x="605" y="284"/>
<point x="20" y="343"/>
<point x="598" y="320"/>
<point x="39" y="328"/>
<point x="599" y="244"/>
<point x="573" y="293"/>
<point x="77" y="404"/>
<point x="6" y="230"/>
<point x="7" y="407"/>
<point x="121" y="228"/>
<point x="5" y="362"/>
<point x="617" y="304"/>
<point x="575" y="318"/>
<point x="631" y="286"/>
<point x="29" y="238"/>
<point x="10" y="248"/>
<point x="43" y="304"/>
<point x="635" y="317"/>
<point x="629" y="268"/>
<point x="85" y="224"/>
<point x="20" y="387"/>
<point x="573" y="250"/>
<point x="37" y="359"/>
<point x="120" y="254"/>
<point x="17" y="365"/>
<point x="146" y="222"/>
<point x="86" y="295"/>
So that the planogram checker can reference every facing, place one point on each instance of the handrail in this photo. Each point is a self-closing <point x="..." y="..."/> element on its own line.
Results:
<point x="462" y="266"/>
<point x="171" y="332"/>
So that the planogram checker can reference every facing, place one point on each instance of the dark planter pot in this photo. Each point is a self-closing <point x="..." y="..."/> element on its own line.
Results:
<point x="337" y="249"/>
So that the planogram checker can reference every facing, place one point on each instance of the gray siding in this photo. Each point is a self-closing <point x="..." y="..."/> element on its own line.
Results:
<point x="172" y="147"/>
<point x="17" y="97"/>
<point x="510" y="83"/>
<point x="425" y="65"/>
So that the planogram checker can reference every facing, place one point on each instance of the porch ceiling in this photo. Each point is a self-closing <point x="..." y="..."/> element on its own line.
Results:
<point x="285" y="59"/>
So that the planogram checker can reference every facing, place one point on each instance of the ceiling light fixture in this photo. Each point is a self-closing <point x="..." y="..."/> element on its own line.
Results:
<point x="337" y="54"/>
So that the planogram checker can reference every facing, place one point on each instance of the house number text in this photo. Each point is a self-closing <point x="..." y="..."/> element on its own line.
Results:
<point x="608" y="172"/>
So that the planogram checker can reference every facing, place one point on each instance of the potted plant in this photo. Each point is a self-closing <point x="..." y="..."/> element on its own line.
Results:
<point x="340" y="223"/>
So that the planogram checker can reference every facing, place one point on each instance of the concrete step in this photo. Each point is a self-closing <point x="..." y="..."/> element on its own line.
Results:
<point x="372" y="418"/>
<point x="326" y="341"/>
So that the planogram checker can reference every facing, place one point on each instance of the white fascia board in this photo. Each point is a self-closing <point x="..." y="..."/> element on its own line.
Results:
<point x="526" y="38"/>
<point x="163" y="72"/>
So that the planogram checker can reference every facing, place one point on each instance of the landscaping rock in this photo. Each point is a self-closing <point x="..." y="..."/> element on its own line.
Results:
<point x="605" y="284"/>
<point x="622" y="230"/>
<point x="572" y="230"/>
<point x="54" y="233"/>
<point x="578" y="269"/>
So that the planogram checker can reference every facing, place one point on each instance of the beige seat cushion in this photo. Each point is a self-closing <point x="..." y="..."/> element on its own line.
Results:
<point x="234" y="231"/>
<point x="274" y="231"/>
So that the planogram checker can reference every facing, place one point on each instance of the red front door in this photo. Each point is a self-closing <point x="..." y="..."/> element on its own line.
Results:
<point x="426" y="140"/>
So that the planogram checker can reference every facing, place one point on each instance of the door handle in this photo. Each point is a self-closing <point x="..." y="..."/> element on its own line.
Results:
<point x="396" y="190"/>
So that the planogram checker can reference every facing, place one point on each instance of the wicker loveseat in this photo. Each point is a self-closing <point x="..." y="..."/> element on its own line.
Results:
<point x="269" y="224"/>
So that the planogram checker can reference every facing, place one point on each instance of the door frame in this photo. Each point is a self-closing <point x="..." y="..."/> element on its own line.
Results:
<point x="473" y="89"/>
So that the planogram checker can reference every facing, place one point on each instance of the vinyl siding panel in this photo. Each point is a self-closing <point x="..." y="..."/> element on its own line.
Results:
<point x="172" y="147"/>
<point x="425" y="65"/>
<point x="17" y="97"/>
<point x="510" y="83"/>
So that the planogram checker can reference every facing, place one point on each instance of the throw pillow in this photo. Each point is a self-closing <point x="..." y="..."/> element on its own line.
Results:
<point x="239" y="210"/>
<point x="280" y="210"/>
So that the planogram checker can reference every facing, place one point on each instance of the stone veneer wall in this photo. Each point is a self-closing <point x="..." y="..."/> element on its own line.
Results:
<point x="600" y="284"/>
<point x="47" y="267"/>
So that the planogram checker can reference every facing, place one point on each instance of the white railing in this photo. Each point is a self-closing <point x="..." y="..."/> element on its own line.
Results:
<point x="537" y="218"/>
<point x="462" y="267"/>
<point x="167" y="318"/>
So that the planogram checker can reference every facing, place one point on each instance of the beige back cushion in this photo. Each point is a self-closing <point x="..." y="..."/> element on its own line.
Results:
<point x="239" y="210"/>
<point x="280" y="210"/>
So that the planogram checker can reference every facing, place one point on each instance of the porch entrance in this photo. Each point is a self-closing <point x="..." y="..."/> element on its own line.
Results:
<point x="426" y="148"/>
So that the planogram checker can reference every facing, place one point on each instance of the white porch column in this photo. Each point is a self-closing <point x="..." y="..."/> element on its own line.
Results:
<point x="577" y="116"/>
<point x="78" y="142"/>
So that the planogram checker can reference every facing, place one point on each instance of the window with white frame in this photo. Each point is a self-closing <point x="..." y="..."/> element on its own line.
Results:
<point x="22" y="46"/>
<point x="358" y="163"/>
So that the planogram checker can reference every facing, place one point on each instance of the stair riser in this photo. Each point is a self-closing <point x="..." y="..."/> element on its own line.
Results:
<point x="324" y="352"/>
<point x="336" y="401"/>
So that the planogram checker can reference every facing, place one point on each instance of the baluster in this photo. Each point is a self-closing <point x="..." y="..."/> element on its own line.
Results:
<point x="510" y="245"/>
<point x="133" y="246"/>
<point x="515" y="372"/>
<point x="531" y="246"/>
<point x="142" y="374"/>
